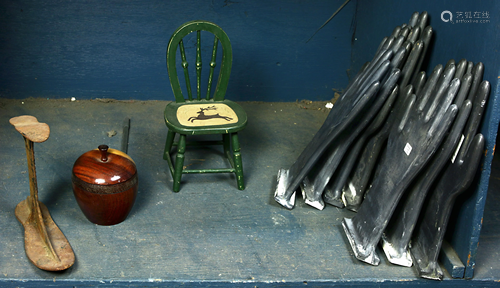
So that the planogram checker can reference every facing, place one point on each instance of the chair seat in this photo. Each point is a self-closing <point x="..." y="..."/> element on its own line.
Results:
<point x="205" y="117"/>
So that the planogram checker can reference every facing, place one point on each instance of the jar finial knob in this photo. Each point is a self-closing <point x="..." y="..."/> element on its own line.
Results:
<point x="104" y="152"/>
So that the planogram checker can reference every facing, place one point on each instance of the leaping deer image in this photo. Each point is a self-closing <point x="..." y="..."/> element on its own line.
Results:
<point x="202" y="116"/>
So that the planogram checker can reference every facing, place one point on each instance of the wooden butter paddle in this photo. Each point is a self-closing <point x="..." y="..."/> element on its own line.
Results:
<point x="45" y="244"/>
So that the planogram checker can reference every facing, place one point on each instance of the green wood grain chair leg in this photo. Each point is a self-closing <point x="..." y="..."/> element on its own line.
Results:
<point x="238" y="164"/>
<point x="179" y="162"/>
<point x="226" y="141"/>
<point x="168" y="144"/>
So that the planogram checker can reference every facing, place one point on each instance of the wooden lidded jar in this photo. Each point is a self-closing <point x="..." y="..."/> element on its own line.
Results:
<point x="105" y="185"/>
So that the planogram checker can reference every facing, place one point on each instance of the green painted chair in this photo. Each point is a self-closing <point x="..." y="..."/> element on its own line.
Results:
<point x="206" y="112"/>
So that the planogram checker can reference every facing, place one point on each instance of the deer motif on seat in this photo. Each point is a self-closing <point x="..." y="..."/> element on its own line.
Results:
<point x="202" y="116"/>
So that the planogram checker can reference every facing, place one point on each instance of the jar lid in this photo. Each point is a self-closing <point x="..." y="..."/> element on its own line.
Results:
<point x="104" y="166"/>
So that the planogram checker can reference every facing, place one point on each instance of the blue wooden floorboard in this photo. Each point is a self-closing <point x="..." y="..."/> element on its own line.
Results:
<point x="209" y="234"/>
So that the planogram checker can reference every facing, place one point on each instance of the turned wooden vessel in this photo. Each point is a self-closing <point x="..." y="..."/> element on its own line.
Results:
<point x="105" y="185"/>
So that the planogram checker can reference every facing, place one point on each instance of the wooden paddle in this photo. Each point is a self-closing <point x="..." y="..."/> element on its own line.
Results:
<point x="45" y="245"/>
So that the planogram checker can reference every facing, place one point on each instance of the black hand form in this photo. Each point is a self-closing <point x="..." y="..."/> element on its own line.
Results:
<point x="410" y="145"/>
<point x="313" y="191"/>
<point x="346" y="110"/>
<point x="355" y="188"/>
<point x="428" y="238"/>
<point x="333" y="191"/>
<point x="398" y="234"/>
<point x="289" y="180"/>
<point x="456" y="178"/>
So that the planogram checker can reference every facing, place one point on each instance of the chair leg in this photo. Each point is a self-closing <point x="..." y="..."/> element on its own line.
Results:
<point x="179" y="162"/>
<point x="168" y="144"/>
<point x="226" y="141"/>
<point x="237" y="161"/>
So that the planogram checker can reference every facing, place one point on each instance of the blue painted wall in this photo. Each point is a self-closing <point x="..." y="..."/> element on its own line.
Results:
<point x="116" y="49"/>
<point x="477" y="42"/>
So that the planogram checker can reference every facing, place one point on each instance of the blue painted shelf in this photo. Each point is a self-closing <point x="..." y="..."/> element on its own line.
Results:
<point x="210" y="234"/>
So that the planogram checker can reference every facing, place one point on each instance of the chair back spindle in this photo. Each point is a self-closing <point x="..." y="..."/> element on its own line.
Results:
<point x="185" y="65"/>
<point x="225" y="62"/>
<point x="198" y="65"/>
<point x="212" y="67"/>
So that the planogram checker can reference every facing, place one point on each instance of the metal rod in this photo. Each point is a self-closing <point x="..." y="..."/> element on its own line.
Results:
<point x="125" y="137"/>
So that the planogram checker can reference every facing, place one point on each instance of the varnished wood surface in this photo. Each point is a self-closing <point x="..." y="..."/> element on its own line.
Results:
<point x="105" y="185"/>
<point x="106" y="204"/>
<point x="118" y="168"/>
